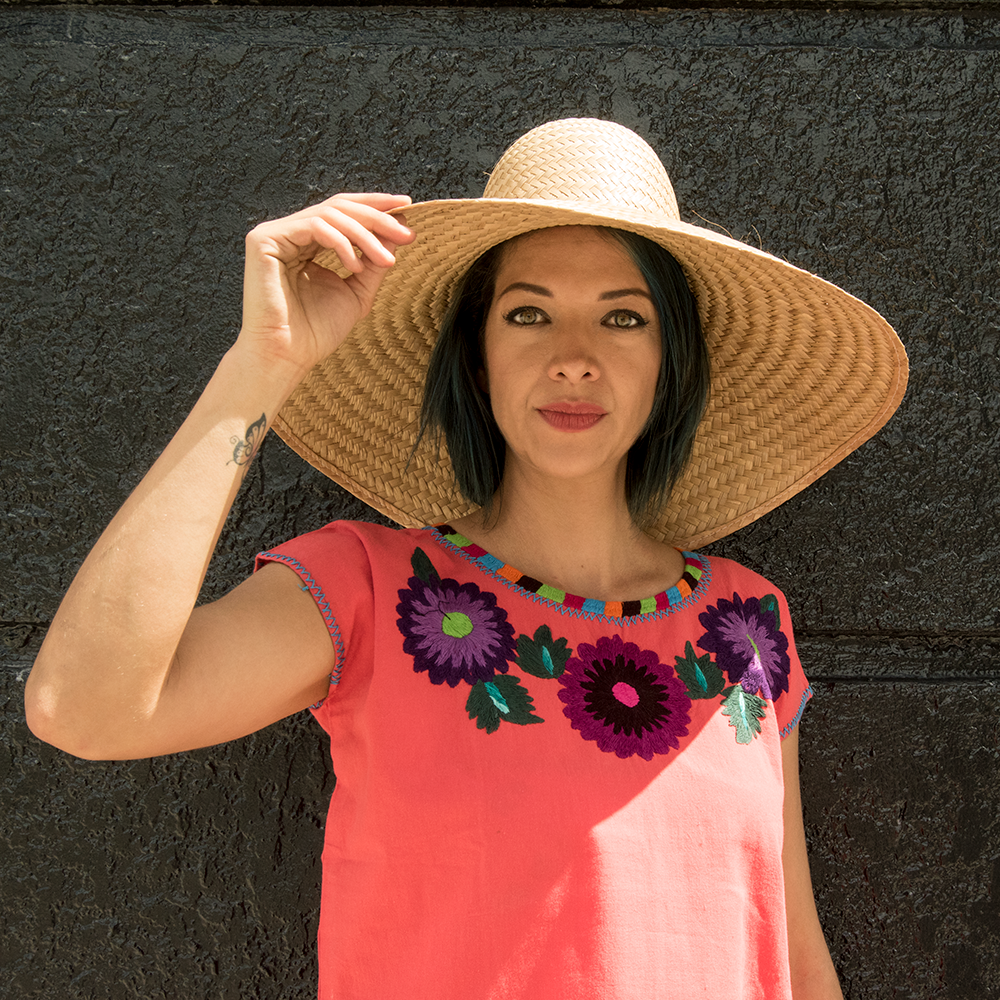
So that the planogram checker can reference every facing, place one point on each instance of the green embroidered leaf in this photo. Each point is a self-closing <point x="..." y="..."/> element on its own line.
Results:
<point x="480" y="707"/>
<point x="520" y="703"/>
<point x="542" y="656"/>
<point x="745" y="712"/>
<point x="770" y="603"/>
<point x="501" y="700"/>
<point x="701" y="676"/>
<point x="423" y="567"/>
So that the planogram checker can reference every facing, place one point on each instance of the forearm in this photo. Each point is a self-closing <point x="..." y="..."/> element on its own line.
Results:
<point x="818" y="983"/>
<point x="812" y="971"/>
<point x="109" y="650"/>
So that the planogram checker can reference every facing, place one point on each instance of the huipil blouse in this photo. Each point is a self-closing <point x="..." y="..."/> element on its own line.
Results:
<point x="543" y="796"/>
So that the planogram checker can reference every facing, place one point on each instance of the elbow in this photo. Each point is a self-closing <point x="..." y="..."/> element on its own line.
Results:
<point x="45" y="725"/>
<point x="39" y="708"/>
<point x="47" y="729"/>
<point x="56" y="724"/>
<point x="90" y="704"/>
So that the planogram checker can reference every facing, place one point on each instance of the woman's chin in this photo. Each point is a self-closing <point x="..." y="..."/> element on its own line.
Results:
<point x="578" y="468"/>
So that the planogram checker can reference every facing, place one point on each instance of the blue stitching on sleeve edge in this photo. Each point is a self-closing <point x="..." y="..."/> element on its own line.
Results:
<point x="806" y="695"/>
<point x="324" y="607"/>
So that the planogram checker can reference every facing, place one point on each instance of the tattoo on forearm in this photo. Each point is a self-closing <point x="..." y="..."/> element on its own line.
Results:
<point x="244" y="449"/>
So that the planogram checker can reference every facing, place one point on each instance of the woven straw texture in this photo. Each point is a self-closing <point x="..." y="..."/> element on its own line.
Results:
<point x="802" y="372"/>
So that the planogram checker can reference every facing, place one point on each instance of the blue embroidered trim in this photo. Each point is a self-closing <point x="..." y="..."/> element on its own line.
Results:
<point x="806" y="695"/>
<point x="489" y="564"/>
<point x="325" y="610"/>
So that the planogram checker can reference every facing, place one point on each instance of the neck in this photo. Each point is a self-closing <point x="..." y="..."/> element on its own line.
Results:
<point x="577" y="536"/>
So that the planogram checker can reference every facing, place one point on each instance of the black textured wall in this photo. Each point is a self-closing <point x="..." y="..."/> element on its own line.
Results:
<point x="140" y="144"/>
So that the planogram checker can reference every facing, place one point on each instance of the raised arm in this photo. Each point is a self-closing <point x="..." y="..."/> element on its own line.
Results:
<point x="129" y="668"/>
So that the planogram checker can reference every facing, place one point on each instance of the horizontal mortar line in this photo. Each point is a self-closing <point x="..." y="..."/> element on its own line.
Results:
<point x="883" y="634"/>
<point x="990" y="46"/>
<point x="987" y="676"/>
<point x="171" y="33"/>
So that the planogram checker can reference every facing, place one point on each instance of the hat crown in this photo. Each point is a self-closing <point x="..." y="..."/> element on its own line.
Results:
<point x="585" y="160"/>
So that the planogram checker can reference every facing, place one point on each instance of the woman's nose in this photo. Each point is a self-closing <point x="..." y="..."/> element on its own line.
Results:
<point x="573" y="360"/>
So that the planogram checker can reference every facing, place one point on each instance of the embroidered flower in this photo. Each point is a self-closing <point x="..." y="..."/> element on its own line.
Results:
<point x="454" y="631"/>
<point x="624" y="699"/>
<point x="748" y="644"/>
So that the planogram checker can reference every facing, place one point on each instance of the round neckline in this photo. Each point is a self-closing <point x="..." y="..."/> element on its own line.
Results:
<point x="694" y="578"/>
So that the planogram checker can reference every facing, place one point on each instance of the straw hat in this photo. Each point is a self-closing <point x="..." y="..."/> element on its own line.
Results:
<point x="802" y="372"/>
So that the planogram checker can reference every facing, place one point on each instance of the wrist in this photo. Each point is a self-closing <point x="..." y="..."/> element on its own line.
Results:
<point x="262" y="373"/>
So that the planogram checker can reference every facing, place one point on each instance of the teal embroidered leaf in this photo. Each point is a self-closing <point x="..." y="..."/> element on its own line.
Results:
<point x="423" y="567"/>
<point x="542" y="656"/>
<point x="502" y="699"/>
<point x="770" y="603"/>
<point x="745" y="712"/>
<point x="497" y="698"/>
<point x="480" y="707"/>
<point x="701" y="676"/>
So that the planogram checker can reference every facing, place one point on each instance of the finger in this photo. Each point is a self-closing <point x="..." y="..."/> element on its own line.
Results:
<point x="370" y="234"/>
<point x="377" y="221"/>
<point x="388" y="248"/>
<point x="295" y="239"/>
<point x="331" y="238"/>
<point x="371" y="210"/>
<point x="338" y="224"/>
<point x="383" y="202"/>
<point x="365" y="284"/>
<point x="369" y="241"/>
<point x="291" y="241"/>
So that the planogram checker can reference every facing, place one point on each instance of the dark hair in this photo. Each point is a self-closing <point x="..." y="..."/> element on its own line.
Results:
<point x="455" y="405"/>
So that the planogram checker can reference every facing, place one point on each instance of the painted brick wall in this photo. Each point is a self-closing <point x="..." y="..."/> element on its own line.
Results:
<point x="140" y="144"/>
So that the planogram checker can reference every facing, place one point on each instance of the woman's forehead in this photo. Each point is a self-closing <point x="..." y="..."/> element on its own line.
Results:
<point x="562" y="247"/>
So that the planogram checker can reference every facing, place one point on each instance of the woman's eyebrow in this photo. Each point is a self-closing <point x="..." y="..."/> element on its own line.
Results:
<point x="621" y="293"/>
<point x="524" y="286"/>
<point x="617" y="293"/>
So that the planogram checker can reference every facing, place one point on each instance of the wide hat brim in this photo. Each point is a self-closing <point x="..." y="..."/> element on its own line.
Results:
<point x="802" y="372"/>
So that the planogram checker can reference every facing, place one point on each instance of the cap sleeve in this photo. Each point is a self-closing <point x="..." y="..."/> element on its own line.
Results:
<point x="790" y="704"/>
<point x="333" y="565"/>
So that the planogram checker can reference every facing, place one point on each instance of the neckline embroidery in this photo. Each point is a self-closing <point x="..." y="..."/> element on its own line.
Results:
<point x="688" y="590"/>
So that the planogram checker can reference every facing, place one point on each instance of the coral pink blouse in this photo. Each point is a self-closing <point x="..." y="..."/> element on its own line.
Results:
<point x="542" y="796"/>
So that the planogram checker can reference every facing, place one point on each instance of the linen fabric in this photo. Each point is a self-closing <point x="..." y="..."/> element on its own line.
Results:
<point x="540" y="796"/>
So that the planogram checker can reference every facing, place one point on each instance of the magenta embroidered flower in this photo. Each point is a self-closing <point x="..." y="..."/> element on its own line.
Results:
<point x="454" y="632"/>
<point x="624" y="699"/>
<point x="748" y="645"/>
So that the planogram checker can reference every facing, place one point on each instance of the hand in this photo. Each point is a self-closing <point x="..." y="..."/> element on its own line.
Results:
<point x="298" y="312"/>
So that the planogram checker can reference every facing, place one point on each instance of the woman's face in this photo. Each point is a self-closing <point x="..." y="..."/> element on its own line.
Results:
<point x="572" y="351"/>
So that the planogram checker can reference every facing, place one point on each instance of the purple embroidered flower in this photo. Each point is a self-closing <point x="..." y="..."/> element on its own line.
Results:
<point x="454" y="632"/>
<point x="624" y="699"/>
<point x="748" y="645"/>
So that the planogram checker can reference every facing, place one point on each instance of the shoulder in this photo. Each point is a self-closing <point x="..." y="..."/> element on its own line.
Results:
<point x="345" y="540"/>
<point x="729" y="588"/>
<point x="726" y="574"/>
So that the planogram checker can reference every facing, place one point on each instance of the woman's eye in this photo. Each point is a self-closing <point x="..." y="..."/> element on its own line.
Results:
<point x="624" y="318"/>
<point x="525" y="316"/>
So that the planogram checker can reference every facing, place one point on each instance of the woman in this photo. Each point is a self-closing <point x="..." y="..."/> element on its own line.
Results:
<point x="549" y="784"/>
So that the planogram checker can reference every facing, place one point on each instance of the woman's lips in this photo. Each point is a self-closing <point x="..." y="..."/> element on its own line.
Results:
<point x="572" y="416"/>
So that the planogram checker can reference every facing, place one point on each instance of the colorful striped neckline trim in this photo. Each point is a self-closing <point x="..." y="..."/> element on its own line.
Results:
<point x="695" y="568"/>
